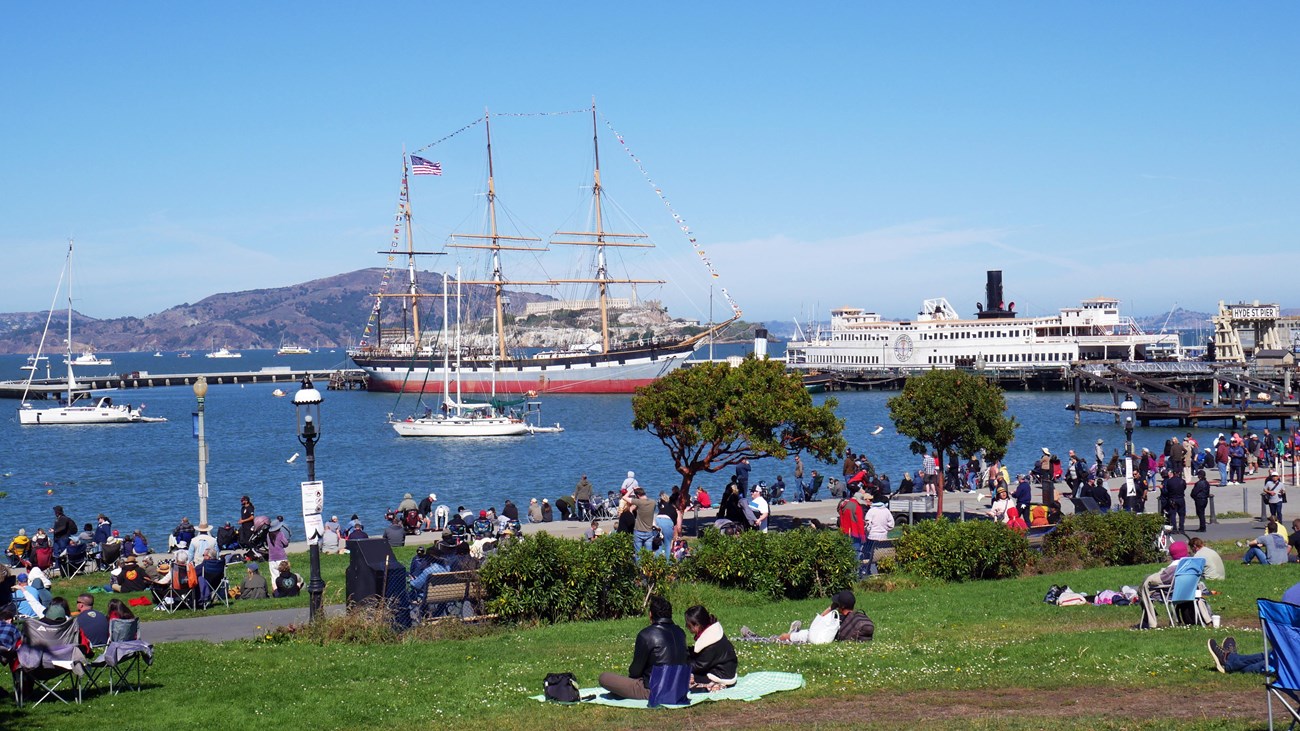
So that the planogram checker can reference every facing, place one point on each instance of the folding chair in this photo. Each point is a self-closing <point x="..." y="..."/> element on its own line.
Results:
<point x="123" y="660"/>
<point x="1281" y="624"/>
<point x="1180" y="595"/>
<point x="48" y="659"/>
<point x="75" y="560"/>
<point x="220" y="592"/>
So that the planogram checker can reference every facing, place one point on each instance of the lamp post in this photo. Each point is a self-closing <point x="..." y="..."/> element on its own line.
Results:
<point x="200" y="393"/>
<point x="307" y="405"/>
<point x="1295" y="458"/>
<point x="1128" y="407"/>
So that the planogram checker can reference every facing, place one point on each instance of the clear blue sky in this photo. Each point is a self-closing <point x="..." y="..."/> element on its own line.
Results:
<point x="860" y="153"/>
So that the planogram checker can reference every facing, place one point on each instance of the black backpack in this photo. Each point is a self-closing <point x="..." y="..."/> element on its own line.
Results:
<point x="561" y="688"/>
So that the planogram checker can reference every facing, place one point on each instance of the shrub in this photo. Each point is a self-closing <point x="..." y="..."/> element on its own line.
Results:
<point x="793" y="565"/>
<point x="974" y="549"/>
<point x="548" y="579"/>
<point x="1112" y="539"/>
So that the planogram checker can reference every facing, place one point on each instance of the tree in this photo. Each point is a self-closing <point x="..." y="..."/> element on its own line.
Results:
<point x="711" y="416"/>
<point x="953" y="410"/>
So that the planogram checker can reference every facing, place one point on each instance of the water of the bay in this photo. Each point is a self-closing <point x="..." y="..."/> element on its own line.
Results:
<point x="145" y="475"/>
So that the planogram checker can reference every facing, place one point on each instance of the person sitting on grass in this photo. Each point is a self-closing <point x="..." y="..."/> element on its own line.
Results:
<point x="254" y="584"/>
<point x="713" y="658"/>
<point x="662" y="643"/>
<point x="1269" y="548"/>
<point x="837" y="623"/>
<point x="287" y="583"/>
<point x="1213" y="561"/>
<point x="1228" y="660"/>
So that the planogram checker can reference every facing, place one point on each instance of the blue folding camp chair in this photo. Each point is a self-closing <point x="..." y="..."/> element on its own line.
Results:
<point x="1281" y="624"/>
<point x="1182" y="598"/>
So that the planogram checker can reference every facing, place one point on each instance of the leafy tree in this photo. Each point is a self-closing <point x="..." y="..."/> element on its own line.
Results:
<point x="945" y="410"/>
<point x="711" y="416"/>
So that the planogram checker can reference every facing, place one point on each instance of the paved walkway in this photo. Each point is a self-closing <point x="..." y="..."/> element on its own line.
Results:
<point x="220" y="628"/>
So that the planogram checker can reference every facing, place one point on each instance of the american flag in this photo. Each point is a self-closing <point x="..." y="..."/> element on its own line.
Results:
<point x="420" y="166"/>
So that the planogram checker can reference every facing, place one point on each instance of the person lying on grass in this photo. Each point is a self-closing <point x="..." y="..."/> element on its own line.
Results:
<point x="840" y="622"/>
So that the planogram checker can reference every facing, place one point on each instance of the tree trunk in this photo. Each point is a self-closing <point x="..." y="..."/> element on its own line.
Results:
<point x="938" y="511"/>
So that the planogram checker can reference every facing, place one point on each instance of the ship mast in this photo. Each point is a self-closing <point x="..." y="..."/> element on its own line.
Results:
<point x="493" y="243"/>
<point x="600" y="238"/>
<point x="411" y="297"/>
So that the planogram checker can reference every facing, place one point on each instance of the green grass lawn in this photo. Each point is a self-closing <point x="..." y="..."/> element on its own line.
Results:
<point x="974" y="655"/>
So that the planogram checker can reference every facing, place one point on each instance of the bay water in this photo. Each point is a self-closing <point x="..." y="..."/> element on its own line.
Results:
<point x="144" y="476"/>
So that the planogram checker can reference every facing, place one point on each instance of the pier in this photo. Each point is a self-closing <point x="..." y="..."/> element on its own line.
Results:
<point x="1167" y="392"/>
<point x="47" y="388"/>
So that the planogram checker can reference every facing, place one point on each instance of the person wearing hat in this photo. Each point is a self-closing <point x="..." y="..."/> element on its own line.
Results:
<point x="1274" y="495"/>
<point x="246" y="515"/>
<point x="1100" y="454"/>
<point x="1164" y="577"/>
<point x="25" y="598"/>
<point x="227" y="538"/>
<point x="758" y="504"/>
<point x="629" y="484"/>
<point x="1046" y="478"/>
<point x="408" y="503"/>
<point x="548" y="513"/>
<point x="19" y="548"/>
<point x="277" y="540"/>
<point x="482" y="526"/>
<point x="202" y="541"/>
<point x="426" y="510"/>
<point x="331" y="540"/>
<point x="254" y="584"/>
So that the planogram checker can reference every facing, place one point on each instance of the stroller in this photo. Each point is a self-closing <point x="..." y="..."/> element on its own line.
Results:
<point x="257" y="549"/>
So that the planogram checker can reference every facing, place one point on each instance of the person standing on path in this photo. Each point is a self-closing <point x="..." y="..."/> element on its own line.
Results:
<point x="64" y="529"/>
<point x="1221" y="459"/>
<point x="582" y="499"/>
<point x="1045" y="476"/>
<point x="758" y="504"/>
<point x="245" y="520"/>
<point x="1175" y="493"/>
<point x="798" y="477"/>
<point x="643" y="531"/>
<point x="1201" y="498"/>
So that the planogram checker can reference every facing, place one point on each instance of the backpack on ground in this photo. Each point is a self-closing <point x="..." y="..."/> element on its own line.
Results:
<point x="561" y="688"/>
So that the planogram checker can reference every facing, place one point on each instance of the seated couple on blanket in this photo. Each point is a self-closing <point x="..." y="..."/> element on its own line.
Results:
<point x="661" y="653"/>
<point x="839" y="622"/>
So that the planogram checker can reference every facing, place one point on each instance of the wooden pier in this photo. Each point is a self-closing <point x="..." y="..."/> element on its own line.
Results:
<point x="1166" y="392"/>
<point x="53" y="388"/>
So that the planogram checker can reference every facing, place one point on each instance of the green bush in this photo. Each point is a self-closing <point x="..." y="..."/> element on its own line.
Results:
<point x="974" y="549"/>
<point x="1113" y="539"/>
<point x="792" y="565"/>
<point x="548" y="579"/>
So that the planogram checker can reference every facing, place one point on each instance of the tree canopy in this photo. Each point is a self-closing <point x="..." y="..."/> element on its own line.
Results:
<point x="711" y="416"/>
<point x="945" y="410"/>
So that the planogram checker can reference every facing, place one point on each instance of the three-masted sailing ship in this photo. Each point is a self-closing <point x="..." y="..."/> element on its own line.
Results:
<point x="414" y="362"/>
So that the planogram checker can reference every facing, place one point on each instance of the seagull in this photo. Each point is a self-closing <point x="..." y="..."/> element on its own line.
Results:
<point x="878" y="430"/>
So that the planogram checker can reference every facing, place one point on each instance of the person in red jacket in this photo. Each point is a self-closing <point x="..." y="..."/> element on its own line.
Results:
<point x="852" y="524"/>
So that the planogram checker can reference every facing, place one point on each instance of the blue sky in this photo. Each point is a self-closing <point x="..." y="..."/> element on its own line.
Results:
<point x="870" y="154"/>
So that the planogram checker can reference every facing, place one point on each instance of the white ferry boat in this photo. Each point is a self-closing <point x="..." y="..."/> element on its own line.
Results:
<point x="995" y="339"/>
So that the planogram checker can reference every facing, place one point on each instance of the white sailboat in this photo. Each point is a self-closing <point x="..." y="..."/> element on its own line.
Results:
<point x="459" y="418"/>
<point x="69" y="411"/>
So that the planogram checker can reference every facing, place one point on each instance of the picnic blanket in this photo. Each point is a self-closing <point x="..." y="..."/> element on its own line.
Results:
<point x="749" y="687"/>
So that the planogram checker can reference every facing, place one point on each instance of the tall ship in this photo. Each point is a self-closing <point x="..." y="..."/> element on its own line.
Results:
<point x="415" y="360"/>
<point x="995" y="339"/>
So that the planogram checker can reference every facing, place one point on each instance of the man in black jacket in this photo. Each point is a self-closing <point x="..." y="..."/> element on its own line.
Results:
<point x="1201" y="498"/>
<point x="662" y="643"/>
<point x="64" y="528"/>
<point x="1175" y="494"/>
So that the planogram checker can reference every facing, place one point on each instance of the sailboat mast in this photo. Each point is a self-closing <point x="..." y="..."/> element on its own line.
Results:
<point x="72" y="382"/>
<point x="458" y="348"/>
<point x="602" y="273"/>
<point x="446" y="350"/>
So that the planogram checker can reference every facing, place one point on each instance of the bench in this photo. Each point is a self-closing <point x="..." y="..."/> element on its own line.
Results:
<point x="456" y="594"/>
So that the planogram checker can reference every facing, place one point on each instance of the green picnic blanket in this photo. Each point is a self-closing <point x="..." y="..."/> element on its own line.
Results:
<point x="749" y="687"/>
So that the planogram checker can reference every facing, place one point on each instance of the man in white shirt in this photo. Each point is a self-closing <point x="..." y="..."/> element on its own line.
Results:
<point x="759" y="505"/>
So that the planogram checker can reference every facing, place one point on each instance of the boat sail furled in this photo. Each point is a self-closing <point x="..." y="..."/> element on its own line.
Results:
<point x="410" y="364"/>
<point x="102" y="411"/>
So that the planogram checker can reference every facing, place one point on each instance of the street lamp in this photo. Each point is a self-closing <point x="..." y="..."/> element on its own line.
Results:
<point x="307" y="405"/>
<point x="1128" y="407"/>
<point x="200" y="393"/>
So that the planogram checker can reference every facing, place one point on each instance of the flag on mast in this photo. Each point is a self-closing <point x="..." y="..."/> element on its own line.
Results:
<point x="420" y="166"/>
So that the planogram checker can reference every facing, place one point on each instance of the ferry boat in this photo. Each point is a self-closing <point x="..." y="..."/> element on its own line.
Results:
<point x="223" y="353"/>
<point x="88" y="358"/>
<point x="995" y="339"/>
<point x="293" y="350"/>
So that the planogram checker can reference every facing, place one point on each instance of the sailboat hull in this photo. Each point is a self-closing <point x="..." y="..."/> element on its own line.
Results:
<point x="99" y="414"/>
<point x="460" y="427"/>
<point x="576" y="374"/>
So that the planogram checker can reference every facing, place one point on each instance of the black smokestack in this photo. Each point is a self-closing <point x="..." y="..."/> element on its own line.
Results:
<point x="993" y="290"/>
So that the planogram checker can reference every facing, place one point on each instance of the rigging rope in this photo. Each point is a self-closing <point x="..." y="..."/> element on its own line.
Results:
<point x="681" y="222"/>
<point x="403" y="200"/>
